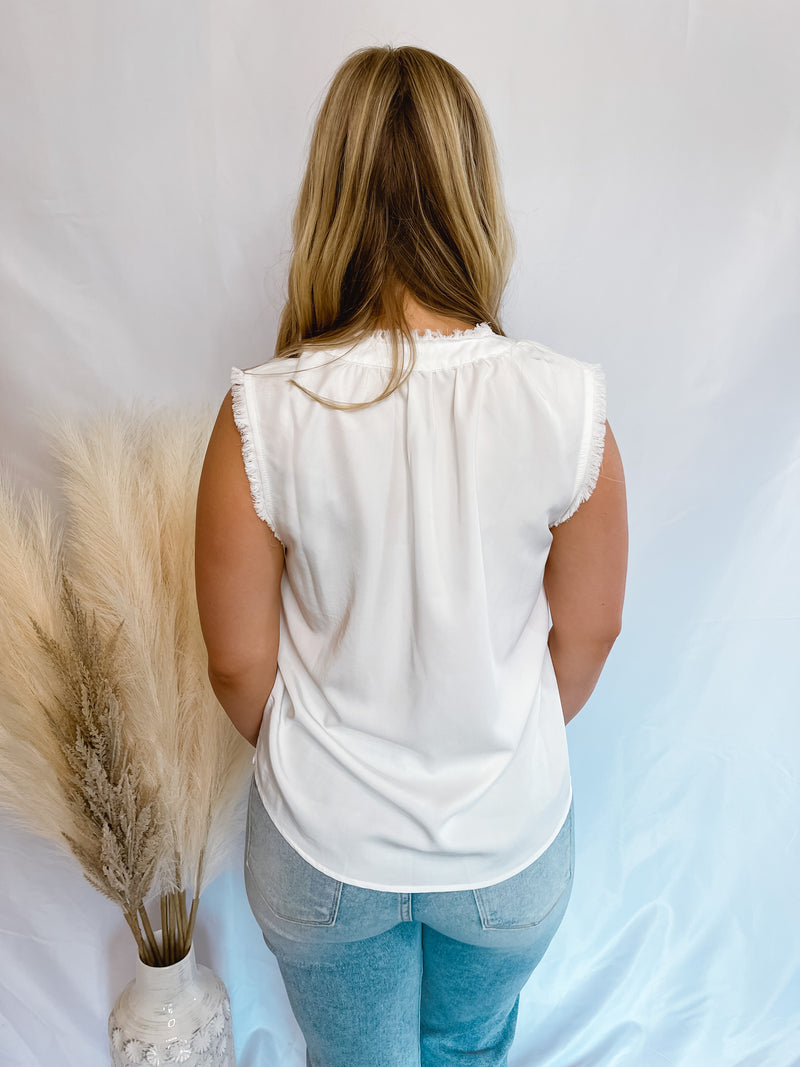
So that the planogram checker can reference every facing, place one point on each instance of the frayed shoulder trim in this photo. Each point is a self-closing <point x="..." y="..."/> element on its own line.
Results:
<point x="593" y="440"/>
<point x="242" y="419"/>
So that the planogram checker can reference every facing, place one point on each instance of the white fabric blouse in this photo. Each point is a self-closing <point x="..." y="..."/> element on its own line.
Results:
<point x="414" y="739"/>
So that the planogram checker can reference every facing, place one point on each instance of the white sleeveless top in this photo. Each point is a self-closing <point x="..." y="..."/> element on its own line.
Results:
<point x="414" y="739"/>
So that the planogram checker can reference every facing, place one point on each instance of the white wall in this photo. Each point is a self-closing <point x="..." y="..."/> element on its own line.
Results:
<point x="651" y="151"/>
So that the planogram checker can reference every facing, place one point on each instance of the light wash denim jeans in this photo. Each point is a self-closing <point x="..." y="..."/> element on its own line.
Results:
<point x="381" y="979"/>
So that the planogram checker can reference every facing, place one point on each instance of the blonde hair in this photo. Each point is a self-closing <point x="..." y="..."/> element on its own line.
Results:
<point x="401" y="192"/>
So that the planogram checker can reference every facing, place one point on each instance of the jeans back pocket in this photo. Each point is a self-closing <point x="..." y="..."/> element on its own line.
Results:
<point x="527" y="898"/>
<point x="285" y="882"/>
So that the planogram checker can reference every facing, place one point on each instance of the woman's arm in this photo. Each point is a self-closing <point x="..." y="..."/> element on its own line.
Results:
<point x="238" y="568"/>
<point x="584" y="581"/>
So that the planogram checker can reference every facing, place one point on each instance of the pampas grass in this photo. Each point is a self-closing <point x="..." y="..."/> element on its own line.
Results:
<point x="31" y="761"/>
<point x="119" y="665"/>
<point x="120" y="823"/>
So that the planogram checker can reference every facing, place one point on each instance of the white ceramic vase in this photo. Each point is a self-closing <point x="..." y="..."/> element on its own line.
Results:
<point x="168" y="1015"/>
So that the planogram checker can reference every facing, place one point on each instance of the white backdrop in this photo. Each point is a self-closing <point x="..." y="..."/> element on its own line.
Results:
<point x="651" y="150"/>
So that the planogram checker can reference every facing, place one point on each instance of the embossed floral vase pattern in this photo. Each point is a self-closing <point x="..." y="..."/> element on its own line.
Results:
<point x="172" y="1015"/>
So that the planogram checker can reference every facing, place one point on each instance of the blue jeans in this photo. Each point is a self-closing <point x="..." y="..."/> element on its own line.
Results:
<point x="381" y="979"/>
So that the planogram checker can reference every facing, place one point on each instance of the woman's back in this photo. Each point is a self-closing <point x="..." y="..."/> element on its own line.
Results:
<point x="378" y="625"/>
<point x="414" y="687"/>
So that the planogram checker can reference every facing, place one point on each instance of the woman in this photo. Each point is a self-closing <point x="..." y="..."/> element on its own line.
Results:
<point x="387" y="511"/>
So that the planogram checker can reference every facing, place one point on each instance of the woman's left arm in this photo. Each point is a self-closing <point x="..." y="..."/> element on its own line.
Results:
<point x="238" y="568"/>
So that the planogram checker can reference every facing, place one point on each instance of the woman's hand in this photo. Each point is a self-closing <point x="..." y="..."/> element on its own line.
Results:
<point x="238" y="568"/>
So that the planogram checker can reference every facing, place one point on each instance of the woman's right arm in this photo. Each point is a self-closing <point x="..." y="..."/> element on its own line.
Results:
<point x="584" y="581"/>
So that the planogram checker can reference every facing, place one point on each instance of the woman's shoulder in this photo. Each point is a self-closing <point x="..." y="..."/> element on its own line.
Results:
<point x="270" y="368"/>
<point x="535" y="350"/>
<point x="553" y="373"/>
<point x="287" y="367"/>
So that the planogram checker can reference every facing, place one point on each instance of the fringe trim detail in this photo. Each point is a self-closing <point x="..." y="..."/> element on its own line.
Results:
<point x="240" y="417"/>
<point x="481" y="330"/>
<point x="591" y="455"/>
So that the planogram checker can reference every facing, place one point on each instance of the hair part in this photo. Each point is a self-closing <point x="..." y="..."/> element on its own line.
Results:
<point x="401" y="194"/>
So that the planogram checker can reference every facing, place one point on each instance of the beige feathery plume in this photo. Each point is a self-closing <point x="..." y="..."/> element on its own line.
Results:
<point x="30" y="757"/>
<point x="66" y="771"/>
<point x="30" y="586"/>
<point x="131" y="489"/>
<point x="119" y="823"/>
<point x="113" y="679"/>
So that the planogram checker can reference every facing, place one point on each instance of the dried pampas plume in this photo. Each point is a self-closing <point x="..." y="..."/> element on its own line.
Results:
<point x="120" y="823"/>
<point x="31" y="761"/>
<point x="118" y="647"/>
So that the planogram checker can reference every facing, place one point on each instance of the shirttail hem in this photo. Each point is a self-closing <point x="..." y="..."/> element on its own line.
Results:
<point x="452" y="888"/>
<point x="240" y="417"/>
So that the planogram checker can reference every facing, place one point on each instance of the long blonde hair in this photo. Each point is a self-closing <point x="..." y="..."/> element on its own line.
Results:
<point x="401" y="192"/>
